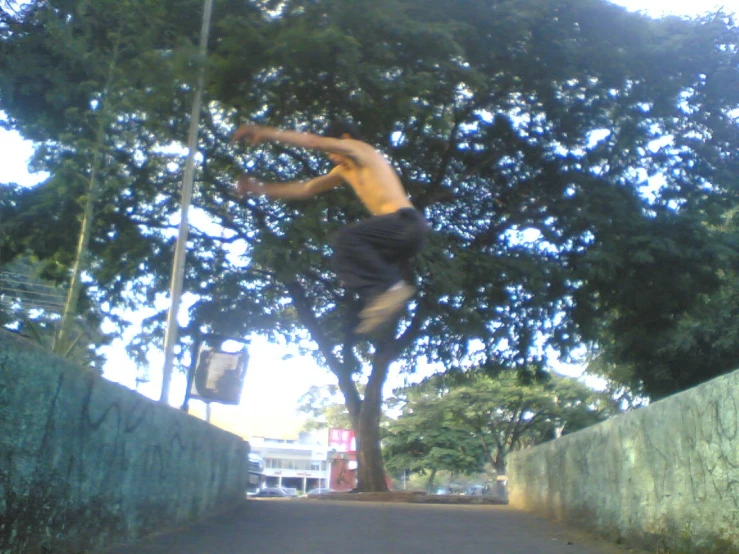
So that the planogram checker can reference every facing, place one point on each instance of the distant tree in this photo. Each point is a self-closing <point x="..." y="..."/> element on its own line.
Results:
<point x="459" y="424"/>
<point x="426" y="438"/>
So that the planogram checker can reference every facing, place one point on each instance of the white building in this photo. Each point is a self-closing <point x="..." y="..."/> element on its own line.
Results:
<point x="298" y="464"/>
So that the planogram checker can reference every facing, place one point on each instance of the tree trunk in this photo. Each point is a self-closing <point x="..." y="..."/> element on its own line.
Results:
<point x="430" y="483"/>
<point x="364" y="412"/>
<point x="499" y="462"/>
<point x="61" y="345"/>
<point x="80" y="263"/>
<point x="371" y="471"/>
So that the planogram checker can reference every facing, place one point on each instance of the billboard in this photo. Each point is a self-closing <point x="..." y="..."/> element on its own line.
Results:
<point x="219" y="376"/>
<point x="341" y="440"/>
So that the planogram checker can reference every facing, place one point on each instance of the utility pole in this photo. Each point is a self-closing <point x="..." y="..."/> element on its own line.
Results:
<point x="178" y="267"/>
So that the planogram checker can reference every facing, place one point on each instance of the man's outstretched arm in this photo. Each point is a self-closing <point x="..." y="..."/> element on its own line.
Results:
<point x="296" y="190"/>
<point x="256" y="134"/>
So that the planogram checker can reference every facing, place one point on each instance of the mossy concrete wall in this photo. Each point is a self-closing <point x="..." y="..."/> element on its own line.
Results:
<point x="663" y="476"/>
<point x="86" y="463"/>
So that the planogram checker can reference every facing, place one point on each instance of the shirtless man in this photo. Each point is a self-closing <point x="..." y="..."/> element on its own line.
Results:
<point x="370" y="257"/>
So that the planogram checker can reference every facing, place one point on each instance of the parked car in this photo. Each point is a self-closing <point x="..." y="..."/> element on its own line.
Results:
<point x="319" y="491"/>
<point x="272" y="492"/>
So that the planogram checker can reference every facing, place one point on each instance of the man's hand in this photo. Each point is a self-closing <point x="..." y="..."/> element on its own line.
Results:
<point x="248" y="185"/>
<point x="252" y="133"/>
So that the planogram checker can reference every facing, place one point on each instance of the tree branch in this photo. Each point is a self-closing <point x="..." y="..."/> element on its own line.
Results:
<point x="448" y="155"/>
<point x="396" y="347"/>
<point x="342" y="370"/>
<point x="308" y="318"/>
<point x="308" y="170"/>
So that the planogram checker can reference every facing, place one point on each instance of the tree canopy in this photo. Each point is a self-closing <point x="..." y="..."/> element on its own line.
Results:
<point x="577" y="163"/>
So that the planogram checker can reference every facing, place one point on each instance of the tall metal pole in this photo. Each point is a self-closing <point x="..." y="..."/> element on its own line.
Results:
<point x="178" y="267"/>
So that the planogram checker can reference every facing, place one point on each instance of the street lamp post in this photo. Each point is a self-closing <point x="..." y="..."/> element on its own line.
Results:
<point x="178" y="266"/>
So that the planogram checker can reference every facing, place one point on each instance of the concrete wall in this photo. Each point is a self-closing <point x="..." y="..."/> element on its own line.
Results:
<point x="86" y="463"/>
<point x="664" y="475"/>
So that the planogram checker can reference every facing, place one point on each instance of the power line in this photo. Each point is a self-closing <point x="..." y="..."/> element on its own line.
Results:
<point x="16" y="288"/>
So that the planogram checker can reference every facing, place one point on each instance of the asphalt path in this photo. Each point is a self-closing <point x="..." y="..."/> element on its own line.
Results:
<point x="304" y="526"/>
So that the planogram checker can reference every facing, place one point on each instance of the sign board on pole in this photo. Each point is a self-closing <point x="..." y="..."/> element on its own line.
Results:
<point x="219" y="376"/>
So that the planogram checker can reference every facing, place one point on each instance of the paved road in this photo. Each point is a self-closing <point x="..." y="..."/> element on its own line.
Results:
<point x="287" y="526"/>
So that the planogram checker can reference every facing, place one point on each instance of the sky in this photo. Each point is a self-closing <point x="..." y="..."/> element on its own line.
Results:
<point x="657" y="8"/>
<point x="273" y="384"/>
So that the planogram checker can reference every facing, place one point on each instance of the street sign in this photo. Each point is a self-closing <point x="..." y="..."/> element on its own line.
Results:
<point x="219" y="376"/>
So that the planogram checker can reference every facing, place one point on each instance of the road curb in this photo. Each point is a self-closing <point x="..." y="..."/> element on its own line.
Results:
<point x="408" y="498"/>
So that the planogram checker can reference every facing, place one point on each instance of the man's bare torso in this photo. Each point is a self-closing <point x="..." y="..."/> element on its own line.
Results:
<point x="374" y="181"/>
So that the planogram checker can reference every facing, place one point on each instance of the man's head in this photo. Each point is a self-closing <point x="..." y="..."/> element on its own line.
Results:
<point x="340" y="129"/>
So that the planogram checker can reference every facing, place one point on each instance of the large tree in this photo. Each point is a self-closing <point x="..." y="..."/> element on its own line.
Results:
<point x="700" y="343"/>
<point x="527" y="133"/>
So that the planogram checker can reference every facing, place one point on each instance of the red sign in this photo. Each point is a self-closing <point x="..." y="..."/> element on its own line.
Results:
<point x="342" y="440"/>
